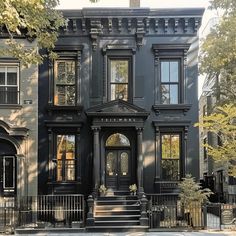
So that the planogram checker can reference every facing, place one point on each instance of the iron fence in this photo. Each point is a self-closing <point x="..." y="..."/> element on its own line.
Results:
<point x="166" y="211"/>
<point x="8" y="214"/>
<point x="52" y="211"/>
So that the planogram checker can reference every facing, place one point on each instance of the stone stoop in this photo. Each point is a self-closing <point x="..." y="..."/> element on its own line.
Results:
<point x="117" y="213"/>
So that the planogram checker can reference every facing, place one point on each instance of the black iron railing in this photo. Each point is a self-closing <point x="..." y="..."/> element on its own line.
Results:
<point x="8" y="214"/>
<point x="166" y="211"/>
<point x="52" y="210"/>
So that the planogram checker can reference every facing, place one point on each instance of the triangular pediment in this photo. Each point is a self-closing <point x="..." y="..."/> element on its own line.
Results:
<point x="117" y="107"/>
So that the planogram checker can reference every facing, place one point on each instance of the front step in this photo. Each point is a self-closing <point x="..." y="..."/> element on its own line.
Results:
<point x="123" y="228"/>
<point x="117" y="212"/>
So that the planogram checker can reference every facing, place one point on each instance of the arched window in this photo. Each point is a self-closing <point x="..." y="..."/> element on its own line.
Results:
<point x="117" y="140"/>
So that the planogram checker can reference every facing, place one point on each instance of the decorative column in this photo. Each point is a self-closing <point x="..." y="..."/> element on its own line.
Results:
<point x="50" y="82"/>
<point x="140" y="161"/>
<point x="184" y="76"/>
<point x="51" y="161"/>
<point x="157" y="159"/>
<point x="78" y="77"/>
<point x="78" y="158"/>
<point x="185" y="150"/>
<point x="156" y="77"/>
<point x="96" y="160"/>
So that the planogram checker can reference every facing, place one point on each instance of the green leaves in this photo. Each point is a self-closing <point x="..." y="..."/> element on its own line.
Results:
<point x="222" y="123"/>
<point x="34" y="19"/>
<point x="191" y="192"/>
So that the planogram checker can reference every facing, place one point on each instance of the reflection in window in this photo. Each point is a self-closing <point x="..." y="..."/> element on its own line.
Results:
<point x="65" y="157"/>
<point x="170" y="153"/>
<point x="65" y="83"/>
<point x="117" y="139"/>
<point x="119" y="70"/>
<point x="9" y="84"/>
<point x="111" y="164"/>
<point x="124" y="163"/>
<point x="169" y="81"/>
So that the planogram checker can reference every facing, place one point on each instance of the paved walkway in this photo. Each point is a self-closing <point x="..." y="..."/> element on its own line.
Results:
<point x="200" y="233"/>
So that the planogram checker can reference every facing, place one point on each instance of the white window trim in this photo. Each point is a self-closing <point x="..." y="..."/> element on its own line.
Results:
<point x="7" y="65"/>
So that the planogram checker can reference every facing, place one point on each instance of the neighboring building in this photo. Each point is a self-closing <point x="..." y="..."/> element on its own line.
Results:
<point x="118" y="105"/>
<point x="214" y="175"/>
<point x="18" y="127"/>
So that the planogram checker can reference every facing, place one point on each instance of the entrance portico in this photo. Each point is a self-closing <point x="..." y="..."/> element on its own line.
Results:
<point x="117" y="145"/>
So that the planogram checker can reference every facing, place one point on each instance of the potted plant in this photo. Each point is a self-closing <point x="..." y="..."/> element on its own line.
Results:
<point x="102" y="190"/>
<point x="133" y="189"/>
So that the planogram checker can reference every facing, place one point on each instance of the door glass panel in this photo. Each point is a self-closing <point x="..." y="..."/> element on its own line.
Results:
<point x="9" y="172"/>
<point x="117" y="139"/>
<point x="124" y="164"/>
<point x="111" y="164"/>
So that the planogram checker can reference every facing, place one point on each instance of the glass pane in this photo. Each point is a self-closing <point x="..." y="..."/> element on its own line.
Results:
<point x="166" y="146"/>
<point x="124" y="163"/>
<point x="61" y="72"/>
<point x="60" y="96"/>
<point x="119" y="91"/>
<point x="12" y="75"/>
<point x="70" y="170"/>
<point x="173" y="94"/>
<point x="2" y="75"/>
<point x="119" y="71"/>
<point x="170" y="146"/>
<point x="174" y="71"/>
<point x="70" y="95"/>
<point x="65" y="157"/>
<point x="165" y="94"/>
<point x="70" y="71"/>
<point x="175" y="146"/>
<point x="3" y="95"/>
<point x="59" y="169"/>
<point x="111" y="164"/>
<point x="11" y="95"/>
<point x="9" y="172"/>
<point x="170" y="169"/>
<point x="165" y="75"/>
<point x="117" y="139"/>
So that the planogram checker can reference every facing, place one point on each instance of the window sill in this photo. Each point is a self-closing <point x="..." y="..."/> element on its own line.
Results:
<point x="10" y="106"/>
<point x="171" y="107"/>
<point x="53" y="108"/>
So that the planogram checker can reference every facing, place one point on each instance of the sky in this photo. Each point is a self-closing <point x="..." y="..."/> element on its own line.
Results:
<point x="78" y="4"/>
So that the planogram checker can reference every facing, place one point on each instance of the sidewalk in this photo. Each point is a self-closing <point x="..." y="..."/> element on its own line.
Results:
<point x="199" y="233"/>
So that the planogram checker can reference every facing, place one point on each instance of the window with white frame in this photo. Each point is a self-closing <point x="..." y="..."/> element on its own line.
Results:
<point x="9" y="84"/>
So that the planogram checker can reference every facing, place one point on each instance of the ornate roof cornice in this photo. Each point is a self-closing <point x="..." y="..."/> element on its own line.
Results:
<point x="97" y="22"/>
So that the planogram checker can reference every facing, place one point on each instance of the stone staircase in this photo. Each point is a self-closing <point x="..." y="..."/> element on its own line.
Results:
<point x="117" y="213"/>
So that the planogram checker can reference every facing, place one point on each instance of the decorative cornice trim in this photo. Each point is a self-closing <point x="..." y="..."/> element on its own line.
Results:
<point x="171" y="107"/>
<point x="14" y="131"/>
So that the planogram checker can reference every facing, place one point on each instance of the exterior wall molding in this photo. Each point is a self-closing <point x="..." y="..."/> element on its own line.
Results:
<point x="127" y="22"/>
<point x="14" y="131"/>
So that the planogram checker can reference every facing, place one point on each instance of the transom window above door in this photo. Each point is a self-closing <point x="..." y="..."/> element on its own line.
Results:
<point x="118" y="140"/>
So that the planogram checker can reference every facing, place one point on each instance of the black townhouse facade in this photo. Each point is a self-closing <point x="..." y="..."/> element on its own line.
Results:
<point x="117" y="106"/>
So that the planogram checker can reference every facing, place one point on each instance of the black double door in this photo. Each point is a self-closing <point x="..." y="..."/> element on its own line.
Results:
<point x="118" y="169"/>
